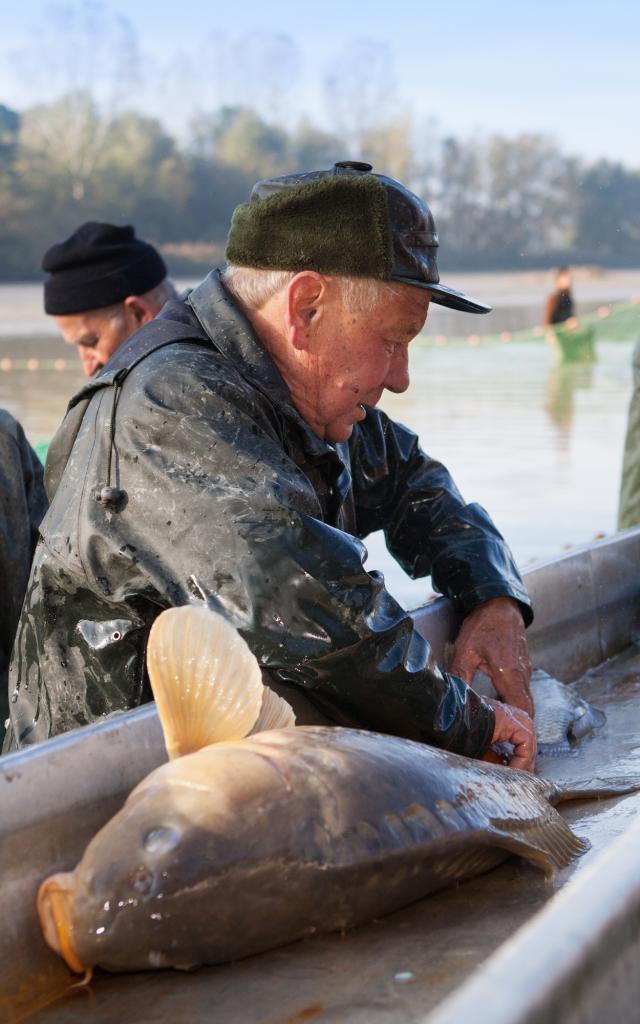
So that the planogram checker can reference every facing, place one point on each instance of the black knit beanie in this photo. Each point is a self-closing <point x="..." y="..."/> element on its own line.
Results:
<point x="99" y="265"/>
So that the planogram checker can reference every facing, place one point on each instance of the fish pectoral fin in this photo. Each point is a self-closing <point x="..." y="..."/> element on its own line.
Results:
<point x="275" y="713"/>
<point x="547" y="842"/>
<point x="206" y="682"/>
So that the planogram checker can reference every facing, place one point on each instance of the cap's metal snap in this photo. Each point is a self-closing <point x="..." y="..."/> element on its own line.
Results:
<point x="354" y="165"/>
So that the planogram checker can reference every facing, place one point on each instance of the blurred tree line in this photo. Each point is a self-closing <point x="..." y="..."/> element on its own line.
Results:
<point x="500" y="203"/>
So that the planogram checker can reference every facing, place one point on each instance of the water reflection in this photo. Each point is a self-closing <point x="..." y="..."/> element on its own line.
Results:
<point x="538" y="443"/>
<point x="39" y="399"/>
<point x="563" y="381"/>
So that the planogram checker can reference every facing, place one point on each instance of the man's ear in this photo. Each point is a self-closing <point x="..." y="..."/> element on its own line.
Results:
<point x="138" y="311"/>
<point x="306" y="295"/>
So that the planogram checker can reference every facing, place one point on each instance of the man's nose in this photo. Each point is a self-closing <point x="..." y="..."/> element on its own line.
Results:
<point x="91" y="361"/>
<point x="397" y="379"/>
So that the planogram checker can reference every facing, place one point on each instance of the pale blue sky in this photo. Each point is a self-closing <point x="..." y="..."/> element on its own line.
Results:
<point x="569" y="69"/>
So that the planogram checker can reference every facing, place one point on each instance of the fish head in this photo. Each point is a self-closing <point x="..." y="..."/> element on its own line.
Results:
<point x="88" y="913"/>
<point x="587" y="719"/>
<point x="196" y="817"/>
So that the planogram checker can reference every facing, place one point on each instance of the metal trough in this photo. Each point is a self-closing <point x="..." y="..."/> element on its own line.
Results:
<point x="575" y="962"/>
<point x="55" y="797"/>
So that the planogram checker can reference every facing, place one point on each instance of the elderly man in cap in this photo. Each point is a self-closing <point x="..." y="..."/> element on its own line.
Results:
<point x="233" y="452"/>
<point x="102" y="284"/>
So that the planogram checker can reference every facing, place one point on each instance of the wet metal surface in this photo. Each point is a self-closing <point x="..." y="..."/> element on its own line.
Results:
<point x="400" y="968"/>
<point x="574" y="962"/>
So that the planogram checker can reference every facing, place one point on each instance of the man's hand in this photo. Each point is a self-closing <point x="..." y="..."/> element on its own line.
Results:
<point x="492" y="640"/>
<point x="515" y="727"/>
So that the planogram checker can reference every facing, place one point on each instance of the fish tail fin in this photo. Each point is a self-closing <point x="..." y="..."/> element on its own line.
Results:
<point x="275" y="713"/>
<point x="548" y="843"/>
<point x="206" y="682"/>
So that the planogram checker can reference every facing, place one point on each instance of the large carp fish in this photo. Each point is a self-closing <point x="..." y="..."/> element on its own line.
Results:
<point x="238" y="845"/>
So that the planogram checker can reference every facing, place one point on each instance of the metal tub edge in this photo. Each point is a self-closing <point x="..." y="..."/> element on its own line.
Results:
<point x="575" y="962"/>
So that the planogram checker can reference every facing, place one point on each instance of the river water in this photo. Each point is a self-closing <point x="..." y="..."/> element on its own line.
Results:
<point x="537" y="442"/>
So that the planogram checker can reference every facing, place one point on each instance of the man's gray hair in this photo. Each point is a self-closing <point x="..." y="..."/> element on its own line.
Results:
<point x="155" y="297"/>
<point x="253" y="287"/>
<point x="160" y="294"/>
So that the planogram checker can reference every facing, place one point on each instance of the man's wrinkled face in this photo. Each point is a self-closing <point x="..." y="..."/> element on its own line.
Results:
<point x="356" y="356"/>
<point x="96" y="334"/>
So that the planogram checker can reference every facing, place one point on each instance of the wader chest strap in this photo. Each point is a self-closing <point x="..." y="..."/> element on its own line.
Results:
<point x="152" y="336"/>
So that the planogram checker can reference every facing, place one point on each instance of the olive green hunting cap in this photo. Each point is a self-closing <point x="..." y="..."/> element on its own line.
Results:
<point x="346" y="221"/>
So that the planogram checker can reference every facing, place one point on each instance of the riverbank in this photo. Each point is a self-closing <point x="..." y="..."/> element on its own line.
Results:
<point x="517" y="297"/>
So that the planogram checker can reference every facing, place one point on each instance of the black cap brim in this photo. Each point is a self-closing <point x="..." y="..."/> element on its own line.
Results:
<point x="444" y="296"/>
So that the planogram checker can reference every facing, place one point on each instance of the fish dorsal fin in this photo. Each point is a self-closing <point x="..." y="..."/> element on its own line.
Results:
<point x="275" y="713"/>
<point x="206" y="682"/>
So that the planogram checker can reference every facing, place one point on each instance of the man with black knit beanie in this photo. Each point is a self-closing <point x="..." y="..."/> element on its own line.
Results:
<point x="102" y="284"/>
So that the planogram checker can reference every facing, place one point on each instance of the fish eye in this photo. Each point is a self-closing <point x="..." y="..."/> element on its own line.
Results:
<point x="161" y="839"/>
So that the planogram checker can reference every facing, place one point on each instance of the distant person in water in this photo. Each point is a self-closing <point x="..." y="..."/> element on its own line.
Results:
<point x="22" y="505"/>
<point x="573" y="341"/>
<point x="560" y="307"/>
<point x="102" y="284"/>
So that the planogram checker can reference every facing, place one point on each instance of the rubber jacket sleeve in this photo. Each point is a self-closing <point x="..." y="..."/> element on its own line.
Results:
<point x="428" y="527"/>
